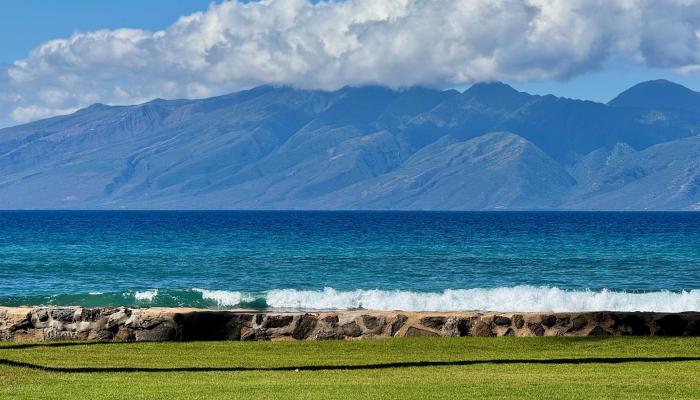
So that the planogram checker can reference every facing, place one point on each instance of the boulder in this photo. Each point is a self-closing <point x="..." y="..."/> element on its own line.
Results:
<point x="159" y="333"/>
<point x="305" y="325"/>
<point x="631" y="324"/>
<point x="598" y="331"/>
<point x="501" y="320"/>
<point x="255" y="335"/>
<point x="549" y="320"/>
<point x="90" y="314"/>
<point x="63" y="315"/>
<point x="397" y="323"/>
<point x="519" y="321"/>
<point x="374" y="324"/>
<point x="578" y="324"/>
<point x="278" y="321"/>
<point x="456" y="327"/>
<point x="433" y="322"/>
<point x="412" y="331"/>
<point x="483" y="328"/>
<point x="351" y="329"/>
<point x="536" y="328"/>
<point x="670" y="325"/>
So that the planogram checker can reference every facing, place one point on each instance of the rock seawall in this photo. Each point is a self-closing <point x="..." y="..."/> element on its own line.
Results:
<point x="179" y="324"/>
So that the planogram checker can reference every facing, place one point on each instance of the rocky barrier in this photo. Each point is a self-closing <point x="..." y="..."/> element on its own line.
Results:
<point x="178" y="324"/>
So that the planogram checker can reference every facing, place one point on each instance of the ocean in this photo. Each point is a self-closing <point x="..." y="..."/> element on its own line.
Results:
<point x="304" y="260"/>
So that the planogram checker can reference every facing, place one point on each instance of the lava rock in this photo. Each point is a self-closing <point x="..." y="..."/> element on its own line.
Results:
<point x="255" y="335"/>
<point x="412" y="331"/>
<point x="374" y="324"/>
<point x="456" y="327"/>
<point x="483" y="328"/>
<point x="536" y="328"/>
<point x="90" y="314"/>
<point x="598" y="331"/>
<point x="670" y="325"/>
<point x="433" y="322"/>
<point x="578" y="324"/>
<point x="549" y="320"/>
<point x="159" y="333"/>
<point x="278" y="321"/>
<point x="351" y="329"/>
<point x="519" y="321"/>
<point x="63" y="315"/>
<point x="631" y="324"/>
<point x="305" y="326"/>
<point x="398" y="322"/>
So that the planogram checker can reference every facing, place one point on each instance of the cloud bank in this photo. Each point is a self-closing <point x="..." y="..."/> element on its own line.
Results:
<point x="439" y="43"/>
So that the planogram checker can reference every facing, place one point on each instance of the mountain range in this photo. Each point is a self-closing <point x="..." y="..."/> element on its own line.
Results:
<point x="489" y="147"/>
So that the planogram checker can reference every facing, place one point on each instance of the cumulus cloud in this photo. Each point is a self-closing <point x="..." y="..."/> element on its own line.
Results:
<point x="399" y="43"/>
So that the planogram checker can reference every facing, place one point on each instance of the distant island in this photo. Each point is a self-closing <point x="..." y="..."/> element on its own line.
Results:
<point x="487" y="148"/>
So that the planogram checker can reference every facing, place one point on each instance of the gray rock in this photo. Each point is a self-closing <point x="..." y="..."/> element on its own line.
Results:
<point x="351" y="329"/>
<point x="160" y="333"/>
<point x="433" y="322"/>
<point x="23" y="324"/>
<point x="374" y="324"/>
<point x="412" y="331"/>
<point x="90" y="314"/>
<point x="598" y="331"/>
<point x="456" y="327"/>
<point x="42" y="315"/>
<point x="278" y="321"/>
<point x="255" y="335"/>
<point x="63" y="315"/>
<point x="483" y="328"/>
<point x="634" y="325"/>
<point x="501" y="320"/>
<point x="578" y="324"/>
<point x="305" y="326"/>
<point x="670" y="325"/>
<point x="519" y="321"/>
<point x="398" y="322"/>
<point x="549" y="320"/>
<point x="54" y="334"/>
<point x="536" y="328"/>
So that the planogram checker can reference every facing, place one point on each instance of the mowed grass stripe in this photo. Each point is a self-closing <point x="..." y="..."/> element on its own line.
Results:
<point x="394" y="368"/>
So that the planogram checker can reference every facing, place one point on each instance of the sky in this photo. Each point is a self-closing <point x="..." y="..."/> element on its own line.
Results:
<point x="59" y="56"/>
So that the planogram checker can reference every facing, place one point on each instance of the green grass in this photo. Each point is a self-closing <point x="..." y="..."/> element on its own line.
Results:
<point x="458" y="367"/>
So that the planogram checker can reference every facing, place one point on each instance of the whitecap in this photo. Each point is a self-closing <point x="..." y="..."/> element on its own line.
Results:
<point x="518" y="298"/>
<point x="146" y="295"/>
<point x="223" y="298"/>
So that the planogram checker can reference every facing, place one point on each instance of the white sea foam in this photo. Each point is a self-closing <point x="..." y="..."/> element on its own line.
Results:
<point x="519" y="298"/>
<point x="223" y="298"/>
<point x="146" y="295"/>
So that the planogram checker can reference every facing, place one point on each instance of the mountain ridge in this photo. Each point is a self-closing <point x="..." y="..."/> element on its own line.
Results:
<point x="281" y="147"/>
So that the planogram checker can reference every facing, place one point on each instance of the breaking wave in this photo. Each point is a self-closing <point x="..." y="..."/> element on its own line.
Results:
<point x="146" y="295"/>
<point x="518" y="298"/>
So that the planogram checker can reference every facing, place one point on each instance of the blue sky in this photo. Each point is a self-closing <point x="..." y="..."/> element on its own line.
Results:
<point x="584" y="51"/>
<point x="26" y="24"/>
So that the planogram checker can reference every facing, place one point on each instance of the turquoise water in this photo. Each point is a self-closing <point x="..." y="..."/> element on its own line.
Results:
<point x="383" y="260"/>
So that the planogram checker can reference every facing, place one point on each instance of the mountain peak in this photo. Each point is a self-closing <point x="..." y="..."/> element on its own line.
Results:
<point x="491" y="87"/>
<point x="495" y="93"/>
<point x="659" y="94"/>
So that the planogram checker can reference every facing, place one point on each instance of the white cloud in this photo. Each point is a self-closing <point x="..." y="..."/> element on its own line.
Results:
<point x="440" y="43"/>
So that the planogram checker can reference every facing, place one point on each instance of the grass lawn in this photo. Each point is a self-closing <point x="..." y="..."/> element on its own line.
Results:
<point x="407" y="368"/>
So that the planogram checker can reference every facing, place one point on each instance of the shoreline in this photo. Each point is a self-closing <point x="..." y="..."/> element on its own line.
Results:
<point x="33" y="324"/>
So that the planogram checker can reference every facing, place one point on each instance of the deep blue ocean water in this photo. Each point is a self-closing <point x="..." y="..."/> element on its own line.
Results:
<point x="522" y="261"/>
